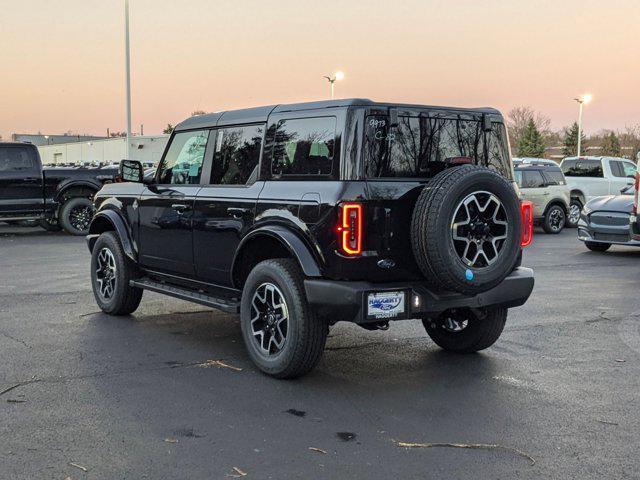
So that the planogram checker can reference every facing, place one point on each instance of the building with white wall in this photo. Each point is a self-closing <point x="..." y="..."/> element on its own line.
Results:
<point x="143" y="148"/>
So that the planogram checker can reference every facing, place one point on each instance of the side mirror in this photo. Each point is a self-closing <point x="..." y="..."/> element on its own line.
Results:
<point x="131" y="171"/>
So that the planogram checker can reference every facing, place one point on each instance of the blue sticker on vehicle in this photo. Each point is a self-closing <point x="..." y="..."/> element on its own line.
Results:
<point x="468" y="274"/>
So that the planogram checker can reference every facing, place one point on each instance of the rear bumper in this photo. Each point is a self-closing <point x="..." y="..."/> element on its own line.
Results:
<point x="344" y="300"/>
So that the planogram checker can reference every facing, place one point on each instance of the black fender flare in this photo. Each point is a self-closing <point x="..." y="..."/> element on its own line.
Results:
<point x="560" y="203"/>
<point x="114" y="222"/>
<point x="292" y="242"/>
<point x="72" y="183"/>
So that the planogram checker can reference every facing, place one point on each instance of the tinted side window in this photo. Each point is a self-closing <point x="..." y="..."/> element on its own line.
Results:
<point x="532" y="179"/>
<point x="622" y="169"/>
<point x="183" y="162"/>
<point x="237" y="154"/>
<point x="304" y="146"/>
<point x="629" y="168"/>
<point x="555" y="177"/>
<point x="17" y="159"/>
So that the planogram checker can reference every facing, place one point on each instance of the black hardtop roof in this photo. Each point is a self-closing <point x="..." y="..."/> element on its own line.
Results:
<point x="260" y="114"/>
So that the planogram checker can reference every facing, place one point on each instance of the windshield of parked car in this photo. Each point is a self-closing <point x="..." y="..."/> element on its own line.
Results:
<point x="422" y="146"/>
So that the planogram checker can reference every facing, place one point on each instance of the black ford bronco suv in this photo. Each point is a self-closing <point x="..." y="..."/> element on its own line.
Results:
<point x="300" y="216"/>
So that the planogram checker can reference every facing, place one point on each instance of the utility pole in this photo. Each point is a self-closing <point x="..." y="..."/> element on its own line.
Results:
<point x="127" y="76"/>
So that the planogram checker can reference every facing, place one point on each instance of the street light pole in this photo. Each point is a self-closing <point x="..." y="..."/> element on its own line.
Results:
<point x="580" y="128"/>
<point x="127" y="76"/>
<point x="584" y="99"/>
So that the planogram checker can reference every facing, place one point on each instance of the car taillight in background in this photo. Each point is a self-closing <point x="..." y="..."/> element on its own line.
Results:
<point x="635" y="194"/>
<point x="526" y="209"/>
<point x="350" y="228"/>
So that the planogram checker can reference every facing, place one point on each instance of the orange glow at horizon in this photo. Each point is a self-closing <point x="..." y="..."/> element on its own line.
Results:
<point x="62" y="62"/>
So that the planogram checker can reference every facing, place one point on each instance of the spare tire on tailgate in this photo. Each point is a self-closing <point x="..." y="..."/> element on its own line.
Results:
<point x="466" y="229"/>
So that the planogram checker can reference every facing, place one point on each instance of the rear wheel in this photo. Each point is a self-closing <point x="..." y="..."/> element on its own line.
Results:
<point x="554" y="220"/>
<point x="574" y="213"/>
<point x="284" y="337"/>
<point x="466" y="330"/>
<point x="597" y="246"/>
<point x="111" y="271"/>
<point x="75" y="215"/>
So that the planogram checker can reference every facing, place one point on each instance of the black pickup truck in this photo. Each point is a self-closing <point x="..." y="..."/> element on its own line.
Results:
<point x="53" y="197"/>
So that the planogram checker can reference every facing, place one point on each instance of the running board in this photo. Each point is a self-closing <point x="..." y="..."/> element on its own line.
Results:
<point x="226" y="305"/>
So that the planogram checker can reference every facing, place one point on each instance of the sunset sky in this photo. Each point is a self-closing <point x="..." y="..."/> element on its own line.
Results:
<point x="61" y="62"/>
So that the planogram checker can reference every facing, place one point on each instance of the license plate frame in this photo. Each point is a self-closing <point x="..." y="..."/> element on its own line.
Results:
<point x="386" y="305"/>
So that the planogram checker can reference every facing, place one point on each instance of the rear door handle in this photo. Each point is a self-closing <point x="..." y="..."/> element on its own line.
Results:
<point x="237" y="212"/>
<point x="180" y="207"/>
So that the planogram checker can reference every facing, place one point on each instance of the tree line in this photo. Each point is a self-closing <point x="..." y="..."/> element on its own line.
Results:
<point x="530" y="135"/>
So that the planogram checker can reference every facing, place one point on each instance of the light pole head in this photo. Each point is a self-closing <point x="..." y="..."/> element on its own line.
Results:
<point x="584" y="99"/>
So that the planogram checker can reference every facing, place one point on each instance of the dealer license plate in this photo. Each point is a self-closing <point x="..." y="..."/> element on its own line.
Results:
<point x="385" y="304"/>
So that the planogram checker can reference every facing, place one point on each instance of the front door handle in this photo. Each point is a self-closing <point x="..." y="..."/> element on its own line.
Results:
<point x="237" y="212"/>
<point x="180" y="207"/>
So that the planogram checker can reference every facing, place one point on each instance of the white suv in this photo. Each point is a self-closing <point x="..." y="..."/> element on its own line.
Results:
<point x="590" y="177"/>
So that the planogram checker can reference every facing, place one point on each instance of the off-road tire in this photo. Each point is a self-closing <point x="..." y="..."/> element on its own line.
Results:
<point x="126" y="298"/>
<point x="306" y="332"/>
<point x="546" y="224"/>
<point x="597" y="246"/>
<point x="65" y="213"/>
<point x="481" y="332"/>
<point x="431" y="240"/>
<point x="574" y="203"/>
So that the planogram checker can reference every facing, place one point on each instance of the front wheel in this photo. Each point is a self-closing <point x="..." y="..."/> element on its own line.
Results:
<point x="597" y="246"/>
<point x="284" y="337"/>
<point x="466" y="330"/>
<point x="111" y="271"/>
<point x="554" y="220"/>
<point x="76" y="214"/>
<point x="575" y="207"/>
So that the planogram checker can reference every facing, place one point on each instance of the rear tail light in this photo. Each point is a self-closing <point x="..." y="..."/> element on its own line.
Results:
<point x="635" y="195"/>
<point x="350" y="228"/>
<point x="526" y="209"/>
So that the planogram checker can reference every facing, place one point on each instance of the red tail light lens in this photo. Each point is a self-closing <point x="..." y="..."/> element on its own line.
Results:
<point x="350" y="228"/>
<point x="526" y="209"/>
<point x="635" y="195"/>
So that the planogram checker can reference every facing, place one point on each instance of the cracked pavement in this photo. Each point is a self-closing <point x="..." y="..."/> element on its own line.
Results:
<point x="143" y="397"/>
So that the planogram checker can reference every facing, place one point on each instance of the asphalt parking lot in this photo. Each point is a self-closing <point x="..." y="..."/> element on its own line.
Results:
<point x="147" y="396"/>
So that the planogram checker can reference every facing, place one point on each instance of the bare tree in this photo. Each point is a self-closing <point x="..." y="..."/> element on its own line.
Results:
<point x="517" y="120"/>
<point x="630" y="142"/>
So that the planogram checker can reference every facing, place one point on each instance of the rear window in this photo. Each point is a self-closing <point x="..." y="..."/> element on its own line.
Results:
<point x="582" y="168"/>
<point x="18" y="159"/>
<point x="422" y="146"/>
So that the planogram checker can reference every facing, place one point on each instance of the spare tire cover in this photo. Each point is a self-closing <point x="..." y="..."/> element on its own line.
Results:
<point x="466" y="229"/>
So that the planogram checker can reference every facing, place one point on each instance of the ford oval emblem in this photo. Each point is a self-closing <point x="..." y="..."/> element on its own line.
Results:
<point x="386" y="263"/>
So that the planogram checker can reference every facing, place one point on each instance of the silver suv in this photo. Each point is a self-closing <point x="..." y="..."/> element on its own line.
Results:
<point x="544" y="185"/>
